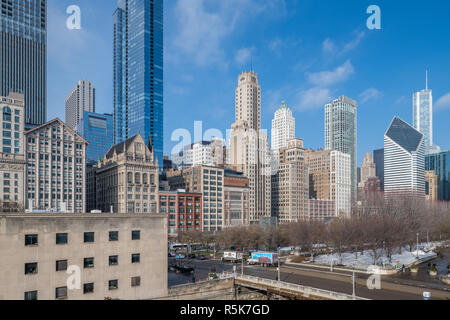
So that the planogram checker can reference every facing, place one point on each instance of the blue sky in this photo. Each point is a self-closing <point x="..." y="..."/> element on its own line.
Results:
<point x="306" y="52"/>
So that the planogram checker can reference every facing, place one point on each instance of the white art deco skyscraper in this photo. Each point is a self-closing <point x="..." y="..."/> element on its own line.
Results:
<point x="283" y="127"/>
<point x="79" y="100"/>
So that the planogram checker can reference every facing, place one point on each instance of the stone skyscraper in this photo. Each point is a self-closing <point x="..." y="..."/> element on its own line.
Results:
<point x="341" y="132"/>
<point x="79" y="100"/>
<point x="283" y="127"/>
<point x="23" y="55"/>
<point x="249" y="149"/>
<point x="138" y="72"/>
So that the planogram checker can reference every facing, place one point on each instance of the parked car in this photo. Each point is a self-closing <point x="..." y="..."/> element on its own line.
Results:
<point x="191" y="256"/>
<point x="172" y="255"/>
<point x="180" y="256"/>
<point x="201" y="257"/>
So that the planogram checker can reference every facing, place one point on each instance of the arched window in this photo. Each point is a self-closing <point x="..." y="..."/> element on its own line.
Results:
<point x="145" y="179"/>
<point x="130" y="177"/>
<point x="152" y="179"/>
<point x="137" y="178"/>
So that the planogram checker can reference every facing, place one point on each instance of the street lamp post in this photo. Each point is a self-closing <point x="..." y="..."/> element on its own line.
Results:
<point x="354" y="285"/>
<point x="242" y="270"/>
<point x="417" y="246"/>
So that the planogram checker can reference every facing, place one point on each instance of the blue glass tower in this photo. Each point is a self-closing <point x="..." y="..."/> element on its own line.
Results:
<point x="138" y="71"/>
<point x="23" y="55"/>
<point x="440" y="164"/>
<point x="97" y="129"/>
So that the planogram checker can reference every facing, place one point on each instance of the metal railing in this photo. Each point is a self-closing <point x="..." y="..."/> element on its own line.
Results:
<point x="306" y="291"/>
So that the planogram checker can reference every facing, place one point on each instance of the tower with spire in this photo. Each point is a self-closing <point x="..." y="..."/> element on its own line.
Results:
<point x="423" y="113"/>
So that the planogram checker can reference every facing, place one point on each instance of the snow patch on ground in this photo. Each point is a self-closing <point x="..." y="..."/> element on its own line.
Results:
<point x="366" y="260"/>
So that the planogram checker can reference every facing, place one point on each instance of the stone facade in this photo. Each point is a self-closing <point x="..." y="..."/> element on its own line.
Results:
<point x="12" y="153"/>
<point x="127" y="178"/>
<point x="237" y="194"/>
<point x="119" y="256"/>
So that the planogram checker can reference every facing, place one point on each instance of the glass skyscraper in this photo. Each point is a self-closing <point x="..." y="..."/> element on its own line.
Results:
<point x="23" y="50"/>
<point x="423" y="114"/>
<point x="138" y="71"/>
<point x="97" y="129"/>
<point x="340" y="132"/>
<point x="440" y="164"/>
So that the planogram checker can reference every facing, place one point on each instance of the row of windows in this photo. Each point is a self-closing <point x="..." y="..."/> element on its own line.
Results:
<point x="61" y="292"/>
<point x="89" y="237"/>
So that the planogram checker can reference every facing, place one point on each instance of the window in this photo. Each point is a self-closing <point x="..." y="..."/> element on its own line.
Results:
<point x="113" y="284"/>
<point x="61" y="293"/>
<point x="135" y="258"/>
<point x="31" y="295"/>
<point x="61" y="265"/>
<point x="88" y="263"/>
<point x="31" y="268"/>
<point x="89" y="237"/>
<point x="113" y="260"/>
<point x="136" y="235"/>
<point x="114" y="236"/>
<point x="135" y="281"/>
<point x="88" y="288"/>
<point x="31" y="240"/>
<point x="61" y="238"/>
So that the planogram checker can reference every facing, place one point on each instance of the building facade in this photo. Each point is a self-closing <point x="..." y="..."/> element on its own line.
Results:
<point x="209" y="182"/>
<point x="404" y="159"/>
<point x="79" y="100"/>
<point x="431" y="185"/>
<point x="56" y="168"/>
<point x="23" y="55"/>
<point x="341" y="132"/>
<point x="127" y="178"/>
<point x="97" y="129"/>
<point x="248" y="100"/>
<point x="138" y="72"/>
<point x="290" y="184"/>
<point x="283" y="127"/>
<point x="330" y="178"/>
<point x="440" y="164"/>
<point x="236" y="202"/>
<point x="183" y="210"/>
<point x="117" y="256"/>
<point x="378" y="159"/>
<point x="321" y="210"/>
<point x="12" y="153"/>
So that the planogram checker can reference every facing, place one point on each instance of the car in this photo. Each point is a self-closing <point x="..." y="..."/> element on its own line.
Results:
<point x="191" y="256"/>
<point x="172" y="255"/>
<point x="180" y="256"/>
<point x="201" y="257"/>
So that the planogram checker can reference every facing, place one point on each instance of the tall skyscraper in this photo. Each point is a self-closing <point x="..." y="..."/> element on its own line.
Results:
<point x="283" y="127"/>
<point x="340" y="132"/>
<point x="368" y="169"/>
<point x="23" y="51"/>
<point x="138" y="71"/>
<point x="404" y="159"/>
<point x="79" y="100"/>
<point x="248" y="100"/>
<point x="249" y="149"/>
<point x="97" y="129"/>
<point x="423" y="114"/>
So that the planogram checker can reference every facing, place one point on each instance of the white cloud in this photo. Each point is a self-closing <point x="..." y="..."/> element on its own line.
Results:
<point x="443" y="102"/>
<point x="327" y="78"/>
<point x="203" y="26"/>
<point x="354" y="42"/>
<point x="313" y="98"/>
<point x="328" y="46"/>
<point x="369" y="94"/>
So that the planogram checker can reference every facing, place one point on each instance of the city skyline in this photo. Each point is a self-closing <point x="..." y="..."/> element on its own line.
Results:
<point x="340" y="68"/>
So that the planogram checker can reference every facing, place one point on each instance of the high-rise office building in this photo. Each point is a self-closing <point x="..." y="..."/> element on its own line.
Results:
<point x="138" y="71"/>
<point x="440" y="164"/>
<point x="79" y="100"/>
<point x="283" y="127"/>
<point x="368" y="169"/>
<point x="290" y="184"/>
<point x="23" y="55"/>
<point x="404" y="159"/>
<point x="378" y="159"/>
<point x="249" y="149"/>
<point x="341" y="132"/>
<point x="423" y="114"/>
<point x="97" y="129"/>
